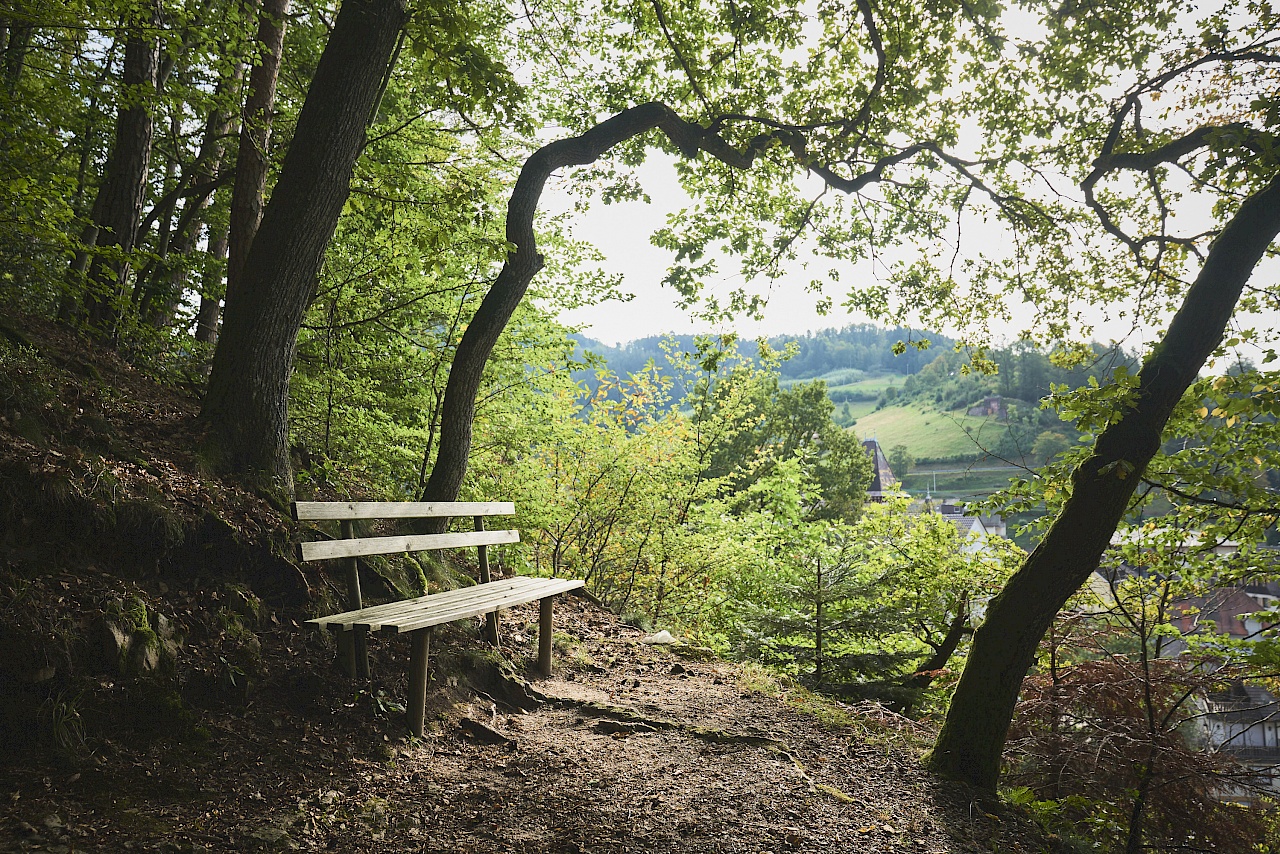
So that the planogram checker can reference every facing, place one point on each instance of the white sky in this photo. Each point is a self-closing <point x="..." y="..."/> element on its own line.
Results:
<point x="621" y="231"/>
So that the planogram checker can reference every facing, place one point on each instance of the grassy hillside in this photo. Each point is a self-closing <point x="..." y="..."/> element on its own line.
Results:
<point x="855" y="393"/>
<point x="930" y="434"/>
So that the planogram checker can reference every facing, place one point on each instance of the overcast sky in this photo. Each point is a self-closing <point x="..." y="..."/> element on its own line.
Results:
<point x="621" y="232"/>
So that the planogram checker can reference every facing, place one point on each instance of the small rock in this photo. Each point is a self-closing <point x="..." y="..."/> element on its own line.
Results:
<point x="271" y="837"/>
<point x="145" y="656"/>
<point x="247" y="605"/>
<point x="486" y="734"/>
<point x="693" y="652"/>
<point x="110" y="643"/>
<point x="36" y="675"/>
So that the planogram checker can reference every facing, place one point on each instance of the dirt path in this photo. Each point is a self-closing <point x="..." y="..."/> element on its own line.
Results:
<point x="637" y="749"/>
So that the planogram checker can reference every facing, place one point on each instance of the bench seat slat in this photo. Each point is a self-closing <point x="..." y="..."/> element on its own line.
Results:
<point x="438" y="608"/>
<point x="316" y="510"/>
<point x="484" y="603"/>
<point x="327" y="549"/>
<point x="444" y="599"/>
<point x="432" y="618"/>
<point x="463" y="597"/>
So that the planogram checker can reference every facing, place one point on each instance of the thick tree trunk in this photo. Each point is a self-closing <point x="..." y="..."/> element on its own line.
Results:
<point x="255" y="138"/>
<point x="246" y="407"/>
<point x="1004" y="646"/>
<point x="524" y="262"/>
<point x="119" y="206"/>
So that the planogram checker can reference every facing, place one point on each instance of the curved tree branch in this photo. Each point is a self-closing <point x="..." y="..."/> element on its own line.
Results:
<point x="1144" y="161"/>
<point x="524" y="261"/>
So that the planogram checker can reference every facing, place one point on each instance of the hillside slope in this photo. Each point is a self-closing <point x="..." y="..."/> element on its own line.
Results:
<point x="159" y="693"/>
<point x="931" y="434"/>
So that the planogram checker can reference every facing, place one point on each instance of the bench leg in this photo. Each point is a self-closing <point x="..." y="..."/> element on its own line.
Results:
<point x="347" y="652"/>
<point x="416" y="707"/>
<point x="360" y="650"/>
<point x="353" y="652"/>
<point x="490" y="620"/>
<point x="361" y="639"/>
<point x="544" y="635"/>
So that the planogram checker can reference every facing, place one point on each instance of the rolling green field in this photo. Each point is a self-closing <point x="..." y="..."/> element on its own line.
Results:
<point x="965" y="483"/>
<point x="869" y="385"/>
<point x="930" y="434"/>
<point x="854" y="381"/>
<point x="856" y="389"/>
<point x="857" y="408"/>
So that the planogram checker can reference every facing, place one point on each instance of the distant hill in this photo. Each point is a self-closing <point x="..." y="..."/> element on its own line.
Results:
<point x="855" y="352"/>
<point x="921" y="399"/>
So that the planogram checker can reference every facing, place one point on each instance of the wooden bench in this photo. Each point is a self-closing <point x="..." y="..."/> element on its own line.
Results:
<point x="416" y="617"/>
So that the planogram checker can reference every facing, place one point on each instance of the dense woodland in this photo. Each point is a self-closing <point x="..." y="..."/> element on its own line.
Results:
<point x="321" y="221"/>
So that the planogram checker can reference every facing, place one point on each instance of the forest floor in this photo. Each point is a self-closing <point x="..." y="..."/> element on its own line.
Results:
<point x="212" y="722"/>
<point x="634" y="748"/>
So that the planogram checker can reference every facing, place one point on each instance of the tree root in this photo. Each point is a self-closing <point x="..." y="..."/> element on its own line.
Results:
<point x="623" y="721"/>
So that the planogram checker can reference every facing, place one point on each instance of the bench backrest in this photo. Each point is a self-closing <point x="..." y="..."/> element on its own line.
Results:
<point x="348" y="511"/>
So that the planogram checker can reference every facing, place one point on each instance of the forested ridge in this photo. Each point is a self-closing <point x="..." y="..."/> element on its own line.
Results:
<point x="256" y="252"/>
<point x="863" y="347"/>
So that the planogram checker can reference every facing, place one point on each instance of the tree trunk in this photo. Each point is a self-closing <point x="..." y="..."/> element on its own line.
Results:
<point x="16" y="47"/>
<point x="1004" y="646"/>
<point x="923" y="674"/>
<point x="119" y="207"/>
<point x="148" y="279"/>
<point x="211" y="285"/>
<point x="205" y="172"/>
<point x="819" y="627"/>
<point x="524" y="262"/>
<point x="246" y="408"/>
<point x="255" y="138"/>
<point x="922" y="677"/>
